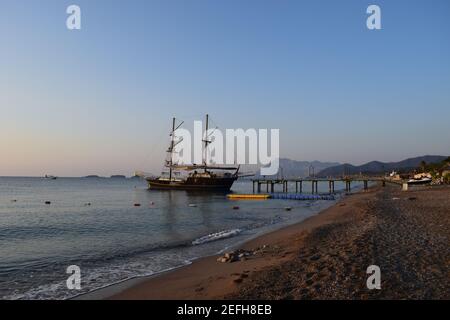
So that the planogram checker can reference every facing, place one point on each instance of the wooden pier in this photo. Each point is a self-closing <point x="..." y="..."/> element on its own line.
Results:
<point x="302" y="185"/>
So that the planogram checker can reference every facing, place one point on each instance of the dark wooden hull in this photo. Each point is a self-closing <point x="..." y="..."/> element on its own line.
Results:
<point x="197" y="184"/>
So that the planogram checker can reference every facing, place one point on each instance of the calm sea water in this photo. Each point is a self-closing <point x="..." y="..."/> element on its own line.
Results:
<point x="111" y="240"/>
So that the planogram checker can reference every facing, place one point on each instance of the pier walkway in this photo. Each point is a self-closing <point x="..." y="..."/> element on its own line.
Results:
<point x="269" y="184"/>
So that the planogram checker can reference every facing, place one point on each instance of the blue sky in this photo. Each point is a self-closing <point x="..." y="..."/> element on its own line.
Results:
<point x="99" y="100"/>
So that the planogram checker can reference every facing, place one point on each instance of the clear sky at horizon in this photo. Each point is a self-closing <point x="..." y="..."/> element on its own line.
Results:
<point x="100" y="100"/>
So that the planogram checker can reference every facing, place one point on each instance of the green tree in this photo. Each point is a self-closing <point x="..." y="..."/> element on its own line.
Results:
<point x="447" y="178"/>
<point x="423" y="166"/>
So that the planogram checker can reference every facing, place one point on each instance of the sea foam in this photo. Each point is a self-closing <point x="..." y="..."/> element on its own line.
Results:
<point x="216" y="236"/>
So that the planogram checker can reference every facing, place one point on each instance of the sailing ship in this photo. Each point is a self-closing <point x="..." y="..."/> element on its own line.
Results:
<point x="198" y="177"/>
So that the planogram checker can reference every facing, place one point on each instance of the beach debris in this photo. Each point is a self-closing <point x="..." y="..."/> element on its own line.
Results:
<point x="412" y="198"/>
<point x="395" y="198"/>
<point x="13" y="200"/>
<point x="233" y="256"/>
<point x="243" y="255"/>
<point x="235" y="207"/>
<point x="192" y="205"/>
<point x="137" y="204"/>
<point x="48" y="202"/>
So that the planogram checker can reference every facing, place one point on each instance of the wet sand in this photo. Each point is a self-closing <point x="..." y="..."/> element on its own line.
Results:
<point x="326" y="256"/>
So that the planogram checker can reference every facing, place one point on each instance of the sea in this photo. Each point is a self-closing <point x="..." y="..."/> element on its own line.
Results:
<point x="96" y="224"/>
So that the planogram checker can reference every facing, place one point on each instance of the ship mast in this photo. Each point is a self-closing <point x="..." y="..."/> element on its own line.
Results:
<point x="171" y="148"/>
<point x="206" y="141"/>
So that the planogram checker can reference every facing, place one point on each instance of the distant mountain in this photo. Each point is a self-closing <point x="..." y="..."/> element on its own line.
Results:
<point x="377" y="167"/>
<point x="296" y="169"/>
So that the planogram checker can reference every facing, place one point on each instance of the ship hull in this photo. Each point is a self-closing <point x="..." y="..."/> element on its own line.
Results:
<point x="197" y="184"/>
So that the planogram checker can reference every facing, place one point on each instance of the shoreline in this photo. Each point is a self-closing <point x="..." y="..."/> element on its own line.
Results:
<point x="324" y="256"/>
<point x="110" y="290"/>
<point x="120" y="290"/>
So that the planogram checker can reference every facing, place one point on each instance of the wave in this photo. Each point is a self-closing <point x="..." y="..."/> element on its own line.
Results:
<point x="216" y="236"/>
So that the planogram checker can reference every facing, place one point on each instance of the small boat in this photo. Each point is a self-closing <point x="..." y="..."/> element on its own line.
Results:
<point x="50" y="177"/>
<point x="424" y="180"/>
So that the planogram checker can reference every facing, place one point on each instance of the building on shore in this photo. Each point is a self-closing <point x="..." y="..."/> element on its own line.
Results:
<point x="445" y="171"/>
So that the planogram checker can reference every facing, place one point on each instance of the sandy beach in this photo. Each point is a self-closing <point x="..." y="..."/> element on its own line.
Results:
<point x="326" y="256"/>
